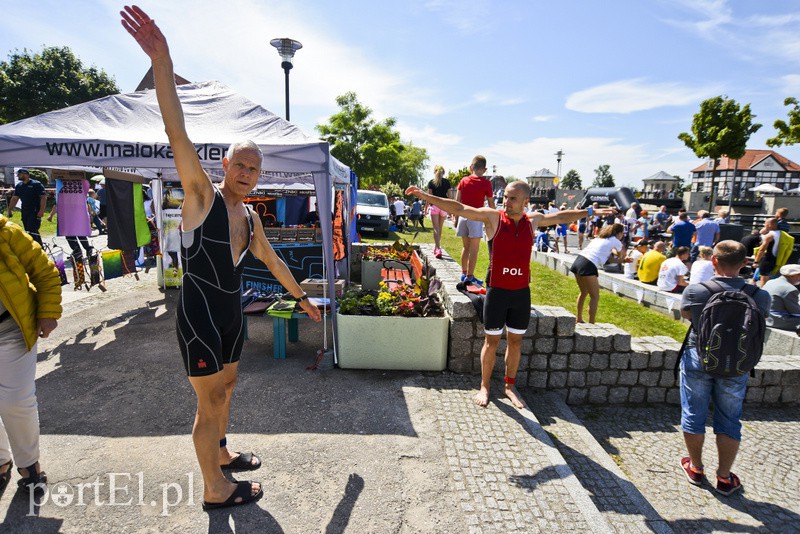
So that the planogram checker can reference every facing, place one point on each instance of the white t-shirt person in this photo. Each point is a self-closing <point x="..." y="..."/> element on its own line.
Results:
<point x="631" y="268"/>
<point x="671" y="269"/>
<point x="702" y="271"/>
<point x="599" y="250"/>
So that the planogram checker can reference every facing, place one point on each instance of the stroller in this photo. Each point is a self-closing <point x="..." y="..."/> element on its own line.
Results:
<point x="543" y="242"/>
<point x="398" y="221"/>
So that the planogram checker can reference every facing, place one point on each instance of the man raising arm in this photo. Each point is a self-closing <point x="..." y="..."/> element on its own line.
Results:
<point x="217" y="231"/>
<point x="508" y="297"/>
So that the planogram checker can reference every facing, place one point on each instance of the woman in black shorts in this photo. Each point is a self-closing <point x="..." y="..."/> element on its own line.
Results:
<point x="606" y="244"/>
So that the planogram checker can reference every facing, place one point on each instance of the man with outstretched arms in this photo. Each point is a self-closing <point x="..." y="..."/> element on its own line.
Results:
<point x="217" y="231"/>
<point x="508" y="298"/>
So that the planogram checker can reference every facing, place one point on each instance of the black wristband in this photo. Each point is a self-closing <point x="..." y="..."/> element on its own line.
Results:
<point x="302" y="298"/>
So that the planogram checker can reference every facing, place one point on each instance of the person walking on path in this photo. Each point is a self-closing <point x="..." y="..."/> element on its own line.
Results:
<point x="698" y="388"/>
<point x="508" y="298"/>
<point x="607" y="244"/>
<point x="30" y="306"/>
<point x="472" y="191"/>
<point x="218" y="229"/>
<point x="34" y="200"/>
<point x="439" y="186"/>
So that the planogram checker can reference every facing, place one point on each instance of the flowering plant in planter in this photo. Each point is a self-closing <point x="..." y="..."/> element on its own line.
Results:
<point x="397" y="251"/>
<point x="400" y="300"/>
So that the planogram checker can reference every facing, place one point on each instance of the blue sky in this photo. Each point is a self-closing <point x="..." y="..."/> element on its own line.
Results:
<point x="608" y="82"/>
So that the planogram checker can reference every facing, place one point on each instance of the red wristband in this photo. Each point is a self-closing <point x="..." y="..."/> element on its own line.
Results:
<point x="509" y="380"/>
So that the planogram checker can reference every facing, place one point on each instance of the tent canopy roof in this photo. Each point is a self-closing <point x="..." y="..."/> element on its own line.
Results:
<point x="126" y="130"/>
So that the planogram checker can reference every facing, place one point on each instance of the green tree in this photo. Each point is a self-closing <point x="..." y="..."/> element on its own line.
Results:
<point x="373" y="150"/>
<point x="720" y="128"/>
<point x="455" y="176"/>
<point x="31" y="84"/>
<point x="571" y="180"/>
<point x="391" y="189"/>
<point x="39" y="175"/>
<point x="603" y="177"/>
<point x="788" y="134"/>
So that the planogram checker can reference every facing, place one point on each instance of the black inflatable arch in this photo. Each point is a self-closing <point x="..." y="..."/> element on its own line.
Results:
<point x="620" y="198"/>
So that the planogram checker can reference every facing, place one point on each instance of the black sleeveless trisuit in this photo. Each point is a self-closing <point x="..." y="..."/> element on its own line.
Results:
<point x="209" y="317"/>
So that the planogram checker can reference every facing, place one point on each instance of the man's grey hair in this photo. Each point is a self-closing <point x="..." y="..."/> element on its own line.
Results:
<point x="243" y="145"/>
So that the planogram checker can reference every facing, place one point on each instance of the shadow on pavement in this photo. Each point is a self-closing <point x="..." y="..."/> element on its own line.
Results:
<point x="124" y="377"/>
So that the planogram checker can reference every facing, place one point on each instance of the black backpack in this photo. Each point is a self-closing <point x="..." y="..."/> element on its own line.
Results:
<point x="730" y="331"/>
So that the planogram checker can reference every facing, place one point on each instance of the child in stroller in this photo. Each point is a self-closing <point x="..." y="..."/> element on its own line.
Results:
<point x="543" y="241"/>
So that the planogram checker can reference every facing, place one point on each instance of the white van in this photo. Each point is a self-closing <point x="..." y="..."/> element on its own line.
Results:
<point x="372" y="212"/>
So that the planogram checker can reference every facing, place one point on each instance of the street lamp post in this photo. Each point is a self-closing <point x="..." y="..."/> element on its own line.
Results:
<point x="286" y="49"/>
<point x="558" y="167"/>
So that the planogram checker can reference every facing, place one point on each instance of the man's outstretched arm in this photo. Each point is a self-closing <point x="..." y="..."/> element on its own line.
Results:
<point x="194" y="179"/>
<point x="485" y="215"/>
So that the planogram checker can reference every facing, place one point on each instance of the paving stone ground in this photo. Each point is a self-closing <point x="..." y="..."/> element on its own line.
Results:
<point x="647" y="444"/>
<point x="369" y="451"/>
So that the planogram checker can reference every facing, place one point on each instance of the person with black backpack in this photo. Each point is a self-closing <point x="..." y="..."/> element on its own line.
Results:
<point x="723" y="345"/>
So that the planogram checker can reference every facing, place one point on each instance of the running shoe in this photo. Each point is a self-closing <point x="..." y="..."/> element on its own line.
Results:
<point x="726" y="486"/>
<point x="694" y="475"/>
<point x="438" y="253"/>
<point x="463" y="277"/>
<point x="475" y="281"/>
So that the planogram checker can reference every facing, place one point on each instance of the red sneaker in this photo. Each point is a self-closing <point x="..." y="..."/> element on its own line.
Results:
<point x="694" y="475"/>
<point x="729" y="485"/>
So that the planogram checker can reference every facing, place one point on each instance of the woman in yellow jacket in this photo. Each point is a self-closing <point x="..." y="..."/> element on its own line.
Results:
<point x="30" y="306"/>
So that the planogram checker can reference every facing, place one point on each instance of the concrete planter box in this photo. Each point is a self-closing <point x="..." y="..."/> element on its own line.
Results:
<point x="401" y="343"/>
<point x="371" y="271"/>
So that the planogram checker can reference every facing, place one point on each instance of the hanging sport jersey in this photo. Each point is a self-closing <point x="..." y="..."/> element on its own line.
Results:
<point x="73" y="217"/>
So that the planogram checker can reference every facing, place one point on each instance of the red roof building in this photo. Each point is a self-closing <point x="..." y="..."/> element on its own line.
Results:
<point x="756" y="167"/>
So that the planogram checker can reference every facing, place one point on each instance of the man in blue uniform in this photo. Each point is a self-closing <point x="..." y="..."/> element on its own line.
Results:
<point x="34" y="199"/>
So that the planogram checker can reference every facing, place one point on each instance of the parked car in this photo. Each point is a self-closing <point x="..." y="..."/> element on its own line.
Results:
<point x="372" y="212"/>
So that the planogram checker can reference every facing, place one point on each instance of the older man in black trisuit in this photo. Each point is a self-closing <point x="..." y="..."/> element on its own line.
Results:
<point x="217" y="231"/>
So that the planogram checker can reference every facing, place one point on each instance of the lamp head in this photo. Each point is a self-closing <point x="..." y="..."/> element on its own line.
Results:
<point x="286" y="48"/>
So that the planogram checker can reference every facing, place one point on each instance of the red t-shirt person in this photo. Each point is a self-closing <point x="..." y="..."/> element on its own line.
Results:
<point x="475" y="190"/>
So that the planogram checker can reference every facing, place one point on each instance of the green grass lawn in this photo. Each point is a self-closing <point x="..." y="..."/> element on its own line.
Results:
<point x="48" y="229"/>
<point x="550" y="288"/>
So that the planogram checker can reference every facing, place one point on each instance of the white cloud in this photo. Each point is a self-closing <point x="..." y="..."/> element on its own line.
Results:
<point x="629" y="163"/>
<point x="543" y="118"/>
<point x="488" y="97"/>
<point x="628" y="96"/>
<point x="790" y="84"/>
<point x="467" y="16"/>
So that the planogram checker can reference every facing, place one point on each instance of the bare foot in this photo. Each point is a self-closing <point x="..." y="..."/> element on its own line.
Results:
<point x="481" y="398"/>
<point x="511" y="393"/>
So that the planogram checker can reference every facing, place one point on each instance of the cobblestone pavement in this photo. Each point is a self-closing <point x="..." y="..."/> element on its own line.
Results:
<point x="508" y="475"/>
<point x="647" y="444"/>
<point x="614" y="495"/>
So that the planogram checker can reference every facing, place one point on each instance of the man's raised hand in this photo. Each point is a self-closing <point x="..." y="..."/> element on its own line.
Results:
<point x="145" y="31"/>
<point x="413" y="190"/>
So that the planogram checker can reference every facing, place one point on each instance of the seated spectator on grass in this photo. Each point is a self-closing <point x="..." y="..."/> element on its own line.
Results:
<point x="636" y="255"/>
<point x="650" y="264"/>
<point x="702" y="269"/>
<point x="671" y="277"/>
<point x="784" y="313"/>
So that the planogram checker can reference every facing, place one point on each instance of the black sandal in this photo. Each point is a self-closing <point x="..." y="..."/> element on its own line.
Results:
<point x="243" y="462"/>
<point x="36" y="478"/>
<point x="5" y="477"/>
<point x="243" y="494"/>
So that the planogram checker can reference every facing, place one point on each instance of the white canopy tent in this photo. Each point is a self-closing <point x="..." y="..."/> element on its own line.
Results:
<point x="126" y="132"/>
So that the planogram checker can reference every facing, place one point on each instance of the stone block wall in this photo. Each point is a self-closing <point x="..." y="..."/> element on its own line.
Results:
<point x="590" y="363"/>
